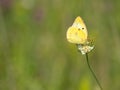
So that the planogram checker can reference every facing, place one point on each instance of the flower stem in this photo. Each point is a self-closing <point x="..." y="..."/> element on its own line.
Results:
<point x="93" y="72"/>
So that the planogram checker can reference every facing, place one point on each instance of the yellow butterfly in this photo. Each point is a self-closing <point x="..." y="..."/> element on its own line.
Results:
<point x="77" y="33"/>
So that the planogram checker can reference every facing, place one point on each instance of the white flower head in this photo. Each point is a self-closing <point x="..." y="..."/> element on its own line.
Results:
<point x="85" y="48"/>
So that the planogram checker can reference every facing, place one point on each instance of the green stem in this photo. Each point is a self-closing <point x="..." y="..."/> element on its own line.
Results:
<point x="93" y="73"/>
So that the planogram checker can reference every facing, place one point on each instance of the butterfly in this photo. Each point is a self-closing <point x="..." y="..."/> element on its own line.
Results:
<point x="77" y="33"/>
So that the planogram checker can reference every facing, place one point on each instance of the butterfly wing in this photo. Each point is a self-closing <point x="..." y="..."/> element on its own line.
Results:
<point x="77" y="33"/>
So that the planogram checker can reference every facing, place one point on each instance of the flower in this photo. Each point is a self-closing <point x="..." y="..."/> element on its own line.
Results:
<point x="85" y="48"/>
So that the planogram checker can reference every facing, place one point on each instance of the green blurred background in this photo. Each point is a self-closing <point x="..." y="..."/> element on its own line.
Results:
<point x="34" y="52"/>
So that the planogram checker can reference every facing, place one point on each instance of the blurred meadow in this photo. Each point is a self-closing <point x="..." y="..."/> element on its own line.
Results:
<point x="34" y="52"/>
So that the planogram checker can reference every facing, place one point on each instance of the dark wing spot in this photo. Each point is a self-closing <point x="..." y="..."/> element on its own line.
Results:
<point x="82" y="28"/>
